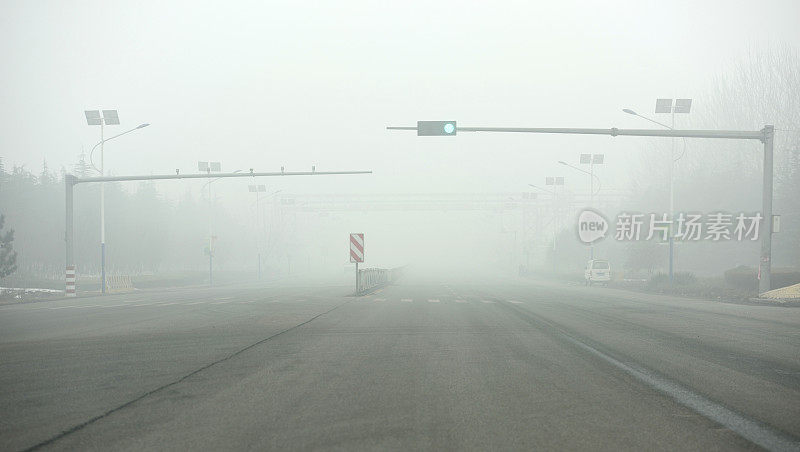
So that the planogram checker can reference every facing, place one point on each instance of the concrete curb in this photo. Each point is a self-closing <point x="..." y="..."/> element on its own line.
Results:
<point x="788" y="302"/>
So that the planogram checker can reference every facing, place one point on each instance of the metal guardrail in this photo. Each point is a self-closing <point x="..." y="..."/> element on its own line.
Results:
<point x="119" y="283"/>
<point x="370" y="278"/>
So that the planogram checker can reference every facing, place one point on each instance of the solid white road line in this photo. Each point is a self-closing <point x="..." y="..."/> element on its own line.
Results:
<point x="751" y="430"/>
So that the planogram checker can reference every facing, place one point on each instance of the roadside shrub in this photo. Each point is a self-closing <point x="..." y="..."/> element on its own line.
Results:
<point x="743" y="277"/>
<point x="783" y="277"/>
<point x="661" y="280"/>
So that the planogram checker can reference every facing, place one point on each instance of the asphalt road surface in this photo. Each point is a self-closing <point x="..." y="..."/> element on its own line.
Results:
<point x="424" y="364"/>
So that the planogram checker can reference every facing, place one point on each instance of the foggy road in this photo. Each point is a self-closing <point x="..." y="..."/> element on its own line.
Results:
<point x="501" y="364"/>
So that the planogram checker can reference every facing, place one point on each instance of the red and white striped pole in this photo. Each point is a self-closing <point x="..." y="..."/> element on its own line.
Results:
<point x="357" y="255"/>
<point x="70" y="277"/>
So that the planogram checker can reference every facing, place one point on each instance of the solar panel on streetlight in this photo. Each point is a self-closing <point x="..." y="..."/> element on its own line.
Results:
<point x="663" y="105"/>
<point x="597" y="159"/>
<point x="252" y="188"/>
<point x="549" y="180"/>
<point x="683" y="105"/>
<point x="110" y="117"/>
<point x="92" y="117"/>
<point x="586" y="158"/>
<point x="215" y="166"/>
<point x="560" y="180"/>
<point x="202" y="166"/>
<point x="262" y="188"/>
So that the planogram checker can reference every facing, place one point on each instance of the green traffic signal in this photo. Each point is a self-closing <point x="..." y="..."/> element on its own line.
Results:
<point x="436" y="128"/>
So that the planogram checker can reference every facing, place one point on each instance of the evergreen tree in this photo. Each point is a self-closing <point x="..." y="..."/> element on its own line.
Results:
<point x="82" y="167"/>
<point x="8" y="257"/>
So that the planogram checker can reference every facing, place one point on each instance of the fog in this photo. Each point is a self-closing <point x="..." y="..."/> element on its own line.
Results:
<point x="272" y="85"/>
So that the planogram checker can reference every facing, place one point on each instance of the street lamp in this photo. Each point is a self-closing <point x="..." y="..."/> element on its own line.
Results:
<point x="591" y="160"/>
<point x="542" y="189"/>
<point x="208" y="167"/>
<point x="108" y="118"/>
<point x="680" y="106"/>
<point x="554" y="181"/>
<point x="258" y="189"/>
<point x="263" y="229"/>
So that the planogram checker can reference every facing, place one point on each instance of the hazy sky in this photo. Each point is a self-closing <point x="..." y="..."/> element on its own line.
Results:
<point x="295" y="84"/>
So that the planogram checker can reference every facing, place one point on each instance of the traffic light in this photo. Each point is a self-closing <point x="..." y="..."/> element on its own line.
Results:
<point x="436" y="128"/>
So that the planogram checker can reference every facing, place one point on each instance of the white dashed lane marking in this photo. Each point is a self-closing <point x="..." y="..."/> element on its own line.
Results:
<point x="487" y="301"/>
<point x="433" y="301"/>
<point x="515" y="301"/>
<point x="406" y="300"/>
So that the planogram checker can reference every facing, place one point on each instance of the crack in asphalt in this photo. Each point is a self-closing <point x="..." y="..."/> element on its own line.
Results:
<point x="86" y="423"/>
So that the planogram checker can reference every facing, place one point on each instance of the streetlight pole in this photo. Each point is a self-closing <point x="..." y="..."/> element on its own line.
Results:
<point x="102" y="214"/>
<point x="109" y="117"/>
<point x="591" y="159"/>
<point x="210" y="236"/>
<point x="258" y="189"/>
<point x="554" y="181"/>
<point x="208" y="167"/>
<point x="666" y="106"/>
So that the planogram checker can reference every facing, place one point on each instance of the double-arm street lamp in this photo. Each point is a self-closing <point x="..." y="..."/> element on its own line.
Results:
<point x="110" y="118"/>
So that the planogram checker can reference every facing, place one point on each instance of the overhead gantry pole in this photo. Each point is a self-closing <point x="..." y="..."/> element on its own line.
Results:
<point x="70" y="181"/>
<point x="765" y="135"/>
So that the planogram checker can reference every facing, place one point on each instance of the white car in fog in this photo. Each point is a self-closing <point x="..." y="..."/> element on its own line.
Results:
<point x="597" y="270"/>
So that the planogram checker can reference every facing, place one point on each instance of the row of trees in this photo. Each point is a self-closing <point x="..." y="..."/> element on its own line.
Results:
<point x="726" y="175"/>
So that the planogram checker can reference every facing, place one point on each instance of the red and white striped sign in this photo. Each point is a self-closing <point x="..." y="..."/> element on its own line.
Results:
<point x="70" y="289"/>
<point x="357" y="247"/>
